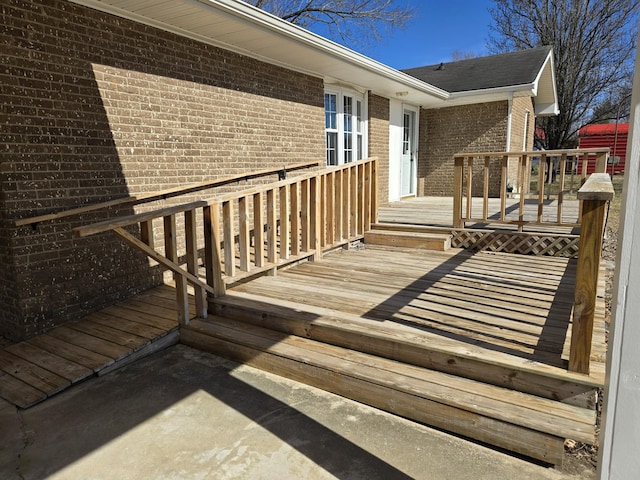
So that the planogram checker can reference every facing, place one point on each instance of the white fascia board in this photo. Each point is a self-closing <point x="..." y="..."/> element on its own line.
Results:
<point x="506" y="92"/>
<point x="546" y="109"/>
<point x="548" y="99"/>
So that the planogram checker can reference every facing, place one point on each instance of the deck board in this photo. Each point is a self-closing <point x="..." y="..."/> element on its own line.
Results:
<point x="46" y="364"/>
<point x="518" y="305"/>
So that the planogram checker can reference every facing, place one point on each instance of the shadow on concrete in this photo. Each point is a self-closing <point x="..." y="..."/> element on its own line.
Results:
<point x="94" y="419"/>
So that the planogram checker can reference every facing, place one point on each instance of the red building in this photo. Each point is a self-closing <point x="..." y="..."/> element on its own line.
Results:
<point x="609" y="135"/>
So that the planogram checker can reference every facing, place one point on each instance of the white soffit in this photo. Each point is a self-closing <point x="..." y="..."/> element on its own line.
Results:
<point x="244" y="29"/>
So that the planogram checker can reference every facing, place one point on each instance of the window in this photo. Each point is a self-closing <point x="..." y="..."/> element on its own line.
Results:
<point x="344" y="127"/>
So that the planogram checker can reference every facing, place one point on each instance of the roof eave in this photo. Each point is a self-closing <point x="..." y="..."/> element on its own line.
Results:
<point x="351" y="65"/>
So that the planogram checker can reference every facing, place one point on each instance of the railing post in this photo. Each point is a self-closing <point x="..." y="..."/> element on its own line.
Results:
<point x="485" y="190"/>
<point x="601" y="162"/>
<point x="458" y="174"/>
<point x="595" y="194"/>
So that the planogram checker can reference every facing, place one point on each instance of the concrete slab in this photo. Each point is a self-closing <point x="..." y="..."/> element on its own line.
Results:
<point x="186" y="414"/>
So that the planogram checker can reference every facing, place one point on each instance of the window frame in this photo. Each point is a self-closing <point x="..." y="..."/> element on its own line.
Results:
<point x="345" y="126"/>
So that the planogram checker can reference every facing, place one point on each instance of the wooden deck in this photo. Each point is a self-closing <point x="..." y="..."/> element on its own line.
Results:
<point x="437" y="212"/>
<point x="473" y="343"/>
<point x="484" y="335"/>
<point x="33" y="370"/>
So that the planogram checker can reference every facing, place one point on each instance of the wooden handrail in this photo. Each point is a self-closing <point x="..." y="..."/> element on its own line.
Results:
<point x="463" y="194"/>
<point x="595" y="193"/>
<point x="289" y="220"/>
<point x="164" y="194"/>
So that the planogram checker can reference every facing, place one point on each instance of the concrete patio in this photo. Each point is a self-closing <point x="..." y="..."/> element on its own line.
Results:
<point x="182" y="413"/>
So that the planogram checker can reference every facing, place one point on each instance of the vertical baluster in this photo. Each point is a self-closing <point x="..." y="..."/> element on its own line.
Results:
<point x="469" y="187"/>
<point x="563" y="167"/>
<point x="305" y="231"/>
<point x="367" y="198"/>
<point x="146" y="235"/>
<point x="229" y="239"/>
<point x="315" y="217"/>
<point x="374" y="190"/>
<point x="171" y="252"/>
<point x="523" y="190"/>
<point x="284" y="222"/>
<point x="485" y="193"/>
<point x="213" y="257"/>
<point x="243" y="234"/>
<point x="328" y="200"/>
<point x="541" y="174"/>
<point x="504" y="167"/>
<point x="295" y="218"/>
<point x="272" y="227"/>
<point x="191" y="237"/>
<point x="458" y="175"/>
<point x="361" y="190"/>
<point x="258" y="229"/>
<point x="338" y="206"/>
<point x="346" y="203"/>
<point x="353" y="221"/>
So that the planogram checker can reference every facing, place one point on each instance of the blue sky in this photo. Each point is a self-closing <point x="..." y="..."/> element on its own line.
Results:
<point x="439" y="28"/>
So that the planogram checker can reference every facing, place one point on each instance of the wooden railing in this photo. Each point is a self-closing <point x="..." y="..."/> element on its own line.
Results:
<point x="253" y="231"/>
<point x="510" y="174"/>
<point x="594" y="195"/>
<point x="165" y="194"/>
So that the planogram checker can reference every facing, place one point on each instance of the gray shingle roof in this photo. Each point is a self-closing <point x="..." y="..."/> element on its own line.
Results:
<point x="494" y="71"/>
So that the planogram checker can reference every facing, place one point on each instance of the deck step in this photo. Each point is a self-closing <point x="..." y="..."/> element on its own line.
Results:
<point x="399" y="342"/>
<point x="409" y="237"/>
<point x="487" y="413"/>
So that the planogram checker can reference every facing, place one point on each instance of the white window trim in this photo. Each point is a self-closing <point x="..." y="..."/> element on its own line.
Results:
<point x="340" y="93"/>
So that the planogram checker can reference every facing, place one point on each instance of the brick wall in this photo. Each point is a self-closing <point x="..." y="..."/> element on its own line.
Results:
<point x="447" y="131"/>
<point x="520" y="141"/>
<point x="379" y="142"/>
<point x="97" y="107"/>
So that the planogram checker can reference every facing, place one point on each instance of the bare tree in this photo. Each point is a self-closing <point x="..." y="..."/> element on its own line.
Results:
<point x="463" y="55"/>
<point x="593" y="43"/>
<point x="352" y="22"/>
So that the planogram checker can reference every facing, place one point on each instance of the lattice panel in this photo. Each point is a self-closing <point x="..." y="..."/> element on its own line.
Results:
<point x="516" y="242"/>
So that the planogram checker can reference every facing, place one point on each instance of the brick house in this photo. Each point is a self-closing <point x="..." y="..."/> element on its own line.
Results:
<point x="493" y="102"/>
<point x="104" y="99"/>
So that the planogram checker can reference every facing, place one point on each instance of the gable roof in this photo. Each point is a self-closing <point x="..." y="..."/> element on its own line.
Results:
<point x="249" y="31"/>
<point x="526" y="72"/>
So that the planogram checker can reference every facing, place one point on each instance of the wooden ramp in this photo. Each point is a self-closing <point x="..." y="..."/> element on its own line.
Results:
<point x="34" y="370"/>
<point x="475" y="344"/>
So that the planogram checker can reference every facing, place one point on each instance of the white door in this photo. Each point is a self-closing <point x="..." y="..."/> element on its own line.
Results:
<point x="409" y="153"/>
